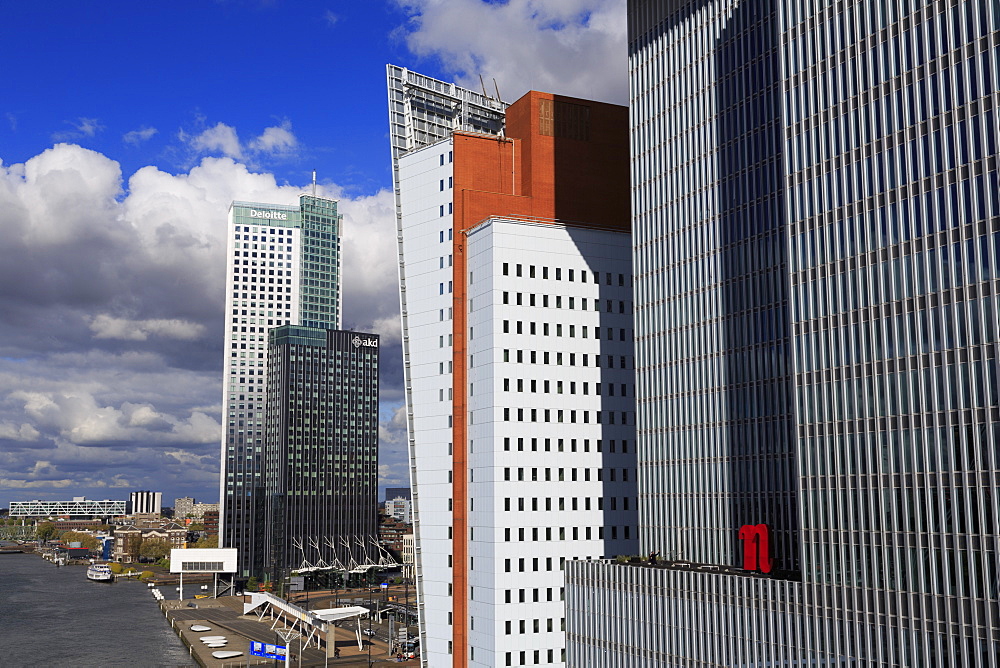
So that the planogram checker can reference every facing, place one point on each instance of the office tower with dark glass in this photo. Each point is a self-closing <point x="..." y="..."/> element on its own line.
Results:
<point x="321" y="449"/>
<point x="816" y="229"/>
<point x="282" y="267"/>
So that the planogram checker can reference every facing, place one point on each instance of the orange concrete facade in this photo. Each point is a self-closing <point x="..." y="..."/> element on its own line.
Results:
<point x="563" y="160"/>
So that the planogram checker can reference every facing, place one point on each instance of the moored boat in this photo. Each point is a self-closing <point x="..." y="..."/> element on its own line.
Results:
<point x="100" y="573"/>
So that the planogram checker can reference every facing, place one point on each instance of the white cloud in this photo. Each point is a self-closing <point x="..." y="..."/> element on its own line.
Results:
<point x="276" y="139"/>
<point x="14" y="432"/>
<point x="220" y="138"/>
<point x="567" y="47"/>
<point x="331" y="18"/>
<point x="107" y="327"/>
<point x="136" y="137"/>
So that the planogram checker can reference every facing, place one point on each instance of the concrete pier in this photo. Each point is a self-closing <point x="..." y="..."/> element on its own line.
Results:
<point x="225" y="618"/>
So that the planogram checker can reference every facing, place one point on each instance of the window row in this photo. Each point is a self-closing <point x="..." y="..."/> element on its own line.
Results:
<point x="559" y="328"/>
<point x="560" y="445"/>
<point x="522" y="595"/>
<point x="624" y="361"/>
<point x="536" y="535"/>
<point x="536" y="626"/>
<point x="547" y="387"/>
<point x="536" y="656"/>
<point x="623" y="279"/>
<point x="535" y="504"/>
<point x="623" y="306"/>
<point x="625" y="418"/>
<point x="535" y="475"/>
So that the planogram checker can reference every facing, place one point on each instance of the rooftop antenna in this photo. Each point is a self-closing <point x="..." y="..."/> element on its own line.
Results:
<point x="314" y="183"/>
<point x="483" y="83"/>
<point x="499" y="99"/>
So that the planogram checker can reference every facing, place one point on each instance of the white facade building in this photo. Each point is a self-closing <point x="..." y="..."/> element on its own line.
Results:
<point x="551" y="426"/>
<point x="550" y="412"/>
<point x="399" y="509"/>
<point x="517" y="342"/>
<point x="145" y="503"/>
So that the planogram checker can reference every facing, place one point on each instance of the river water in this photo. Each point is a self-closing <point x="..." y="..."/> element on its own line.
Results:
<point x="54" y="616"/>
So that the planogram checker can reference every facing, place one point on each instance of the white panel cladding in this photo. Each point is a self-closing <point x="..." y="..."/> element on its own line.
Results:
<point x="426" y="200"/>
<point x="541" y="489"/>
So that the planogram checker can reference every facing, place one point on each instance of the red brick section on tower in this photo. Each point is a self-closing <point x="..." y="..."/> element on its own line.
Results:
<point x="563" y="159"/>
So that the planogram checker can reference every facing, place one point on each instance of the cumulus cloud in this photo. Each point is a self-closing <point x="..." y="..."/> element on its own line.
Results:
<point x="220" y="138"/>
<point x="568" y="47"/>
<point x="112" y="316"/>
<point x="136" y="137"/>
<point x="277" y="141"/>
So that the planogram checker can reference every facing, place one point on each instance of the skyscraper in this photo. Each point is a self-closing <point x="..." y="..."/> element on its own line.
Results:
<point x="282" y="267"/>
<point x="321" y="449"/>
<point x="517" y="314"/>
<point x="816" y="245"/>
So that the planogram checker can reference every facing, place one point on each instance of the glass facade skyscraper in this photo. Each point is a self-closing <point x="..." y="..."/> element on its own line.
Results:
<point x="817" y="229"/>
<point x="282" y="267"/>
<point x="321" y="452"/>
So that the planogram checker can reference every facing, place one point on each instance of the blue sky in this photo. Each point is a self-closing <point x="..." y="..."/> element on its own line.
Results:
<point x="126" y="129"/>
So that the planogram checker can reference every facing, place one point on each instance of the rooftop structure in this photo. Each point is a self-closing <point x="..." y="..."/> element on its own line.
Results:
<point x="78" y="507"/>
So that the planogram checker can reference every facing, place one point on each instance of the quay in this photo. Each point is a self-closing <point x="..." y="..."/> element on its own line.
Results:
<point x="224" y="615"/>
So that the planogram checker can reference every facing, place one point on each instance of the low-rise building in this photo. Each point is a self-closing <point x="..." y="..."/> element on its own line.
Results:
<point x="188" y="507"/>
<point x="128" y="540"/>
<point x="399" y="508"/>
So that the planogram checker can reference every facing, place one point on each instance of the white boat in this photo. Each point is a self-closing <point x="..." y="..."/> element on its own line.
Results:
<point x="100" y="573"/>
<point x="227" y="654"/>
<point x="215" y="645"/>
<point x="212" y="638"/>
<point x="200" y="628"/>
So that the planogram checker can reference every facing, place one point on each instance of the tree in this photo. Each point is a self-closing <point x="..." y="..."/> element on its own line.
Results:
<point x="116" y="568"/>
<point x="45" y="531"/>
<point x="154" y="548"/>
<point x="85" y="539"/>
<point x="132" y="545"/>
<point x="208" y="541"/>
<point x="196" y="526"/>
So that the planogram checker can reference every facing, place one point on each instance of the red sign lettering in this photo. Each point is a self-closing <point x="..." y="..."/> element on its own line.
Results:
<point x="756" y="547"/>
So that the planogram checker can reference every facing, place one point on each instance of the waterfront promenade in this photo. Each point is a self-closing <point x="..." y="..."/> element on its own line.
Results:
<point x="225" y="617"/>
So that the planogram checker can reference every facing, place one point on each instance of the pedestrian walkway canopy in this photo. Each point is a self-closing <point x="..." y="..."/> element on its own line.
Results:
<point x="312" y="625"/>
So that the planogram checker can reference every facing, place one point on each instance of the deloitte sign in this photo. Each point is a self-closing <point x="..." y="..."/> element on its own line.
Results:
<point x="269" y="215"/>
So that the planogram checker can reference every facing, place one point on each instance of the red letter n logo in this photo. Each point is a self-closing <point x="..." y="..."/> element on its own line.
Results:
<point x="756" y="547"/>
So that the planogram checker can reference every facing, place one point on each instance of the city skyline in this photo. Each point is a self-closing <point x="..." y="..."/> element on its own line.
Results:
<point x="113" y="193"/>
